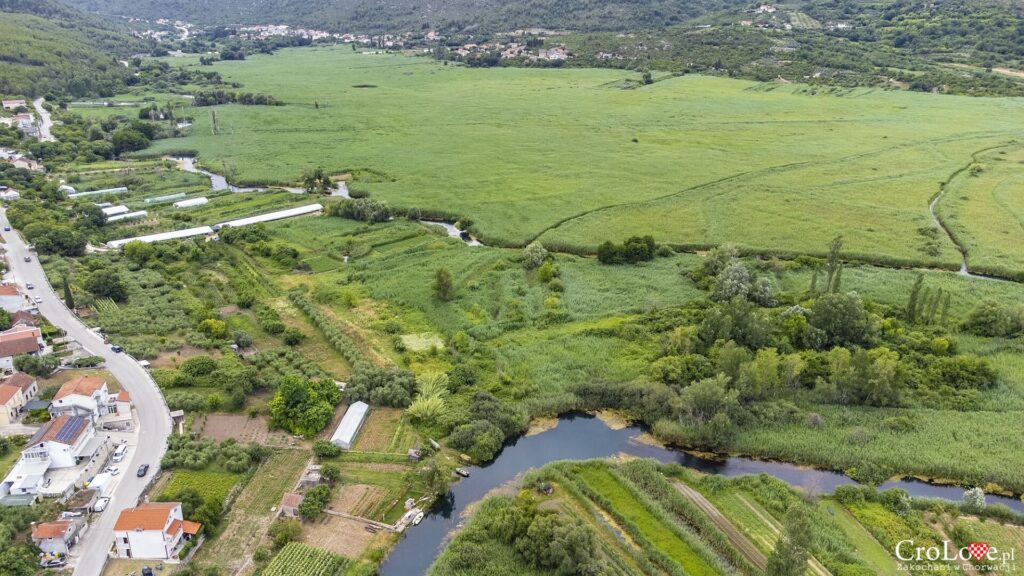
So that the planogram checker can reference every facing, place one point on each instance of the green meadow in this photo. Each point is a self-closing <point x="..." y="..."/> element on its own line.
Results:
<point x="572" y="158"/>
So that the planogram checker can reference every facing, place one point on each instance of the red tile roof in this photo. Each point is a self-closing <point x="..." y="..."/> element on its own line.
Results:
<point x="191" y="528"/>
<point x="83" y="386"/>
<point x="9" y="290"/>
<point x="151" y="516"/>
<point x="21" y="380"/>
<point x="23" y="317"/>
<point x="50" y="529"/>
<point x="291" y="500"/>
<point x="7" y="392"/>
<point x="17" y="342"/>
<point x="123" y="396"/>
<point x="64" y="429"/>
<point x="174" y="527"/>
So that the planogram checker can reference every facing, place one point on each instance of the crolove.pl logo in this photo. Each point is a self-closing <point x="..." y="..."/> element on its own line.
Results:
<point x="976" y="557"/>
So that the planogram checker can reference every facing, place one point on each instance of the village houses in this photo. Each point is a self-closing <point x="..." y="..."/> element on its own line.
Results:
<point x="17" y="341"/>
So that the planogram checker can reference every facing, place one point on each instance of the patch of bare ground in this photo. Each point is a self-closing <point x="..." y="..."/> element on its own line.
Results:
<point x="613" y="419"/>
<point x="245" y="429"/>
<point x="378" y="430"/>
<point x="357" y="499"/>
<point x="174" y="358"/>
<point x="1008" y="72"/>
<point x="541" y="424"/>
<point x="343" y="536"/>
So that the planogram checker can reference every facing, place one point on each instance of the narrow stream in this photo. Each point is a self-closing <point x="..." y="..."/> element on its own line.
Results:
<point x="454" y="232"/>
<point x="218" y="182"/>
<point x="579" y="437"/>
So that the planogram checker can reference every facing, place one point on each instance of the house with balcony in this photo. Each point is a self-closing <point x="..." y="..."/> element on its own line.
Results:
<point x="66" y="442"/>
<point x="154" y="530"/>
<point x="89" y="396"/>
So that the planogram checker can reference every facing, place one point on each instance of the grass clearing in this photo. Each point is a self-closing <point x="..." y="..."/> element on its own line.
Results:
<point x="868" y="548"/>
<point x="602" y="482"/>
<point x="213" y="486"/>
<point x="690" y="159"/>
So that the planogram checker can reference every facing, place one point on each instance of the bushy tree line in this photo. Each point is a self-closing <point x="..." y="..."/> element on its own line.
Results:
<point x="545" y="539"/>
<point x="183" y="451"/>
<point x="362" y="209"/>
<point x="633" y="250"/>
<point x="490" y="423"/>
<point x="217" y="97"/>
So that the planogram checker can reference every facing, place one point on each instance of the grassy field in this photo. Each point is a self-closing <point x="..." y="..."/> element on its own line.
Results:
<point x="212" y="486"/>
<point x="664" y="539"/>
<point x="569" y="156"/>
<point x="985" y="210"/>
<point x="868" y="548"/>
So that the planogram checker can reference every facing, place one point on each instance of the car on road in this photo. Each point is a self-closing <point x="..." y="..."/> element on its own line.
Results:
<point x="28" y="258"/>
<point x="7" y="228"/>
<point x="113" y="470"/>
<point x="101" y="504"/>
<point x="29" y="285"/>
<point x="117" y="348"/>
<point x="38" y="299"/>
<point x="143" y="470"/>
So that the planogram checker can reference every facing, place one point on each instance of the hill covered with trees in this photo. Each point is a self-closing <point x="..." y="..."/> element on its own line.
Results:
<point x="48" y="47"/>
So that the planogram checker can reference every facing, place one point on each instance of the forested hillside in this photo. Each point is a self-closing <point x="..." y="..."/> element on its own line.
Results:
<point x="452" y="15"/>
<point x="46" y="46"/>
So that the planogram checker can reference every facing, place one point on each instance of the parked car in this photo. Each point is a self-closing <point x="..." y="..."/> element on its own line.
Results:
<point x="28" y="258"/>
<point x="70" y="514"/>
<point x="55" y="562"/>
<point x="101" y="504"/>
<point x="117" y="348"/>
<point x="29" y="285"/>
<point x="113" y="470"/>
<point x="7" y="228"/>
<point x="39" y="299"/>
<point x="143" y="470"/>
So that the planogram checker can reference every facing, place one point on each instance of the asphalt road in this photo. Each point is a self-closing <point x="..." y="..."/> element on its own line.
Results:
<point x="152" y="413"/>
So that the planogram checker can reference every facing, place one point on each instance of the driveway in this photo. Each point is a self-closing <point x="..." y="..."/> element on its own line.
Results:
<point x="151" y="411"/>
<point x="45" y="123"/>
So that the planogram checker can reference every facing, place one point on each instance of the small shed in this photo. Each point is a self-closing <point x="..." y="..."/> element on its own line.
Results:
<point x="353" y="420"/>
<point x="290" y="503"/>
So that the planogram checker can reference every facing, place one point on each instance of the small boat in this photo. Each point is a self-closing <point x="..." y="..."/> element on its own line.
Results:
<point x="417" y="519"/>
<point x="462" y="472"/>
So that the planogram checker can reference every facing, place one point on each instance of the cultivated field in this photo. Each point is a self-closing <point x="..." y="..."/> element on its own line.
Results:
<point x="251" y="515"/>
<point x="243" y="428"/>
<point x="569" y="156"/>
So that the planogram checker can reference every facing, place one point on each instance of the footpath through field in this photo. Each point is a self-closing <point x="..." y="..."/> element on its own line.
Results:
<point x="738" y="540"/>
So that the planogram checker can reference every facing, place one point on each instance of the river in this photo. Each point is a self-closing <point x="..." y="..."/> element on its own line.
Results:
<point x="579" y="437"/>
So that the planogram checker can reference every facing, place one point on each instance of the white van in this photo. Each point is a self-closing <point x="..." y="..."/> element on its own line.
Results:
<point x="119" y="452"/>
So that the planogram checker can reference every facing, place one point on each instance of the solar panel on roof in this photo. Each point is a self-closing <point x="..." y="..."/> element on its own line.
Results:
<point x="70" y="429"/>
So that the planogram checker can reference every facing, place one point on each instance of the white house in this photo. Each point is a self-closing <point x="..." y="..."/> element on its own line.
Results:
<point x="13" y="104"/>
<point x="63" y="442"/>
<point x="89" y="396"/>
<point x="57" y="538"/>
<point x="345" y="435"/>
<point x="155" y="530"/>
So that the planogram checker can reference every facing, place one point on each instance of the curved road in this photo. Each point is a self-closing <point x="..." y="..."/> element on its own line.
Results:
<point x="152" y="413"/>
<point x="45" y="123"/>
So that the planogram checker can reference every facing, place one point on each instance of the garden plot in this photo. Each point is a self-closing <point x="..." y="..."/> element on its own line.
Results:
<point x="343" y="536"/>
<point x="243" y="428"/>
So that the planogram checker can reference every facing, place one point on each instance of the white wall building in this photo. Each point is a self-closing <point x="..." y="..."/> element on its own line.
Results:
<point x="86" y="396"/>
<point x="155" y="530"/>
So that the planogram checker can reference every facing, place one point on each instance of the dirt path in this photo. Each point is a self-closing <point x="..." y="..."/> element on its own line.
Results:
<point x="815" y="566"/>
<point x="738" y="540"/>
<point x="966" y="566"/>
